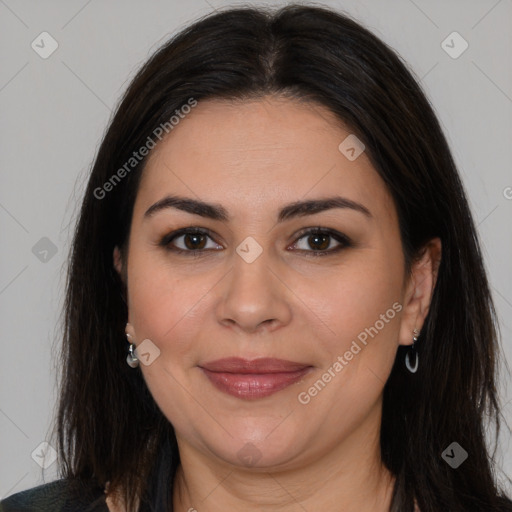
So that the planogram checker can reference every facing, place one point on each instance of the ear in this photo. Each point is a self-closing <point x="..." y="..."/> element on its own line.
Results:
<point x="419" y="290"/>
<point x="118" y="263"/>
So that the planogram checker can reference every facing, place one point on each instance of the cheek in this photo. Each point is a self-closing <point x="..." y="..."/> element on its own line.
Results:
<point x="360" y="310"/>
<point x="164" y="308"/>
<point x="367" y="285"/>
<point x="361" y="318"/>
<point x="165" y="304"/>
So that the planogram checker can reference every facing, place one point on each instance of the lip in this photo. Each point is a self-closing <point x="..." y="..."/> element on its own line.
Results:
<point x="253" y="379"/>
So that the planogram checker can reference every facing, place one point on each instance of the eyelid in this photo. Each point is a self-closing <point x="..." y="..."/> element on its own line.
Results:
<point x="167" y="239"/>
<point x="341" y="238"/>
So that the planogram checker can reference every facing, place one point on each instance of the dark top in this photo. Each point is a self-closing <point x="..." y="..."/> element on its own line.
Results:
<point x="55" y="497"/>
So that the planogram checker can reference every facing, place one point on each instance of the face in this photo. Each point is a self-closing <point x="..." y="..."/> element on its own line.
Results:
<point x="322" y="288"/>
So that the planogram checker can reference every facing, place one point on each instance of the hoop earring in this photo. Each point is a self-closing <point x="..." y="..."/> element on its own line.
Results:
<point x="412" y="352"/>
<point x="131" y="358"/>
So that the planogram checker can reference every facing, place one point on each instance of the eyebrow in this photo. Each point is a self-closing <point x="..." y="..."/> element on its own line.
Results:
<point x="215" y="211"/>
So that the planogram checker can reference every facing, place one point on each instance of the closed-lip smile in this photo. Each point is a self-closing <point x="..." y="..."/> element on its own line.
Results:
<point x="252" y="379"/>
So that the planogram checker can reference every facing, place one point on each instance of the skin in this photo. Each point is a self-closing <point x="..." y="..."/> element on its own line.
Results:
<point x="253" y="158"/>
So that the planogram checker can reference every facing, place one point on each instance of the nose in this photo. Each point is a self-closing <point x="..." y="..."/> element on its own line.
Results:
<point x="254" y="297"/>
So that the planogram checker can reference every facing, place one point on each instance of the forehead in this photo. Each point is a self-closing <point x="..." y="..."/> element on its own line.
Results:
<point x="255" y="153"/>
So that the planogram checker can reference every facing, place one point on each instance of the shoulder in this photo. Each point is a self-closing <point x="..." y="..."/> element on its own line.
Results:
<point x="57" y="497"/>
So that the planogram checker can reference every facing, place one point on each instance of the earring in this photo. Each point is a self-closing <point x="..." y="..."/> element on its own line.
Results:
<point x="131" y="358"/>
<point x="412" y="352"/>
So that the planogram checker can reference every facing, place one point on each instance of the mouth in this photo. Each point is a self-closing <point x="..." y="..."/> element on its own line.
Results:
<point x="254" y="379"/>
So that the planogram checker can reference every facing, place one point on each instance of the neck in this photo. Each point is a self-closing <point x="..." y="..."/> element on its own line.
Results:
<point x="349" y="476"/>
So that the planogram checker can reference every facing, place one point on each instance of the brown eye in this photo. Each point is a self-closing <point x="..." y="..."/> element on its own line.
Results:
<point x="192" y="240"/>
<point x="321" y="242"/>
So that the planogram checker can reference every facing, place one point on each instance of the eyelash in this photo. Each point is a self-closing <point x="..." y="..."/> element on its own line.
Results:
<point x="339" y="237"/>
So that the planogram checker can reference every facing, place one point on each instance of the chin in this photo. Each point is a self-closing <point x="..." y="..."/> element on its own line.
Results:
<point x="256" y="446"/>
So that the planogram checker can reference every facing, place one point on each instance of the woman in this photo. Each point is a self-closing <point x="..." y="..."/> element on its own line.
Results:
<point x="275" y="223"/>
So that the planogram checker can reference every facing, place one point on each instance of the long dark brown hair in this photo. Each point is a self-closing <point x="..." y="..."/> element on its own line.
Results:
<point x="108" y="425"/>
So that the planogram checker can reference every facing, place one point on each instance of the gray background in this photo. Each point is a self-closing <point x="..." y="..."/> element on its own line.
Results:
<point x="54" y="112"/>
